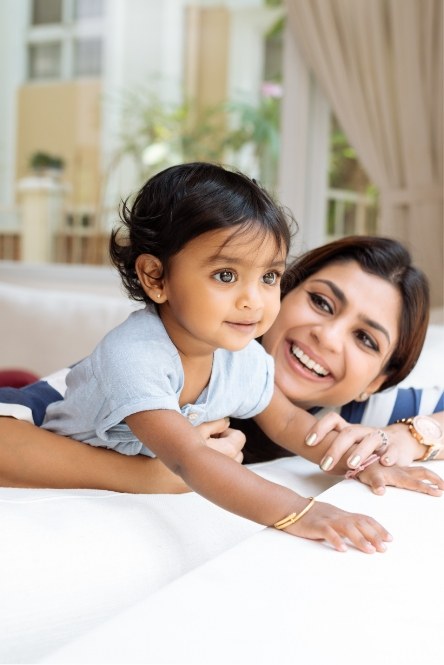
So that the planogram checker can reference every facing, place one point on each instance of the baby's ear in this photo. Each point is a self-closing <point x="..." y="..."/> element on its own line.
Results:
<point x="149" y="271"/>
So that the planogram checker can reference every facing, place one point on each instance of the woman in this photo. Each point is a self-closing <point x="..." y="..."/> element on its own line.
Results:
<point x="352" y="323"/>
<point x="335" y="316"/>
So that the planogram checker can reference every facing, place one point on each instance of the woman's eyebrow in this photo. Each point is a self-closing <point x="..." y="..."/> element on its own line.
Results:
<point x="340" y="295"/>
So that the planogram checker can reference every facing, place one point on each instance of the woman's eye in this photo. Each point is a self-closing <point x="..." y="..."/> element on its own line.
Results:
<point x="367" y="340"/>
<point x="225" y="276"/>
<point x="320" y="303"/>
<point x="270" y="278"/>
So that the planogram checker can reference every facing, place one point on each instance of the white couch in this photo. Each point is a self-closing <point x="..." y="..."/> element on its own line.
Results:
<point x="70" y="560"/>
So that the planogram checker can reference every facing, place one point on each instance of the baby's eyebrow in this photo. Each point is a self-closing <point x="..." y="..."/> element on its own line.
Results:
<point x="277" y="263"/>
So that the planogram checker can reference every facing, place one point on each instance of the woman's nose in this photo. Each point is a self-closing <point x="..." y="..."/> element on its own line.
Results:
<point x="329" y="335"/>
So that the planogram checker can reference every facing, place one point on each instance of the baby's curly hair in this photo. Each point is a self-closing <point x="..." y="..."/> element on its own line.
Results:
<point x="182" y="202"/>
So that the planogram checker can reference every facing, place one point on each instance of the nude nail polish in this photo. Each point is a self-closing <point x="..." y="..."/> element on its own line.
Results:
<point x="354" y="461"/>
<point x="326" y="463"/>
<point x="310" y="440"/>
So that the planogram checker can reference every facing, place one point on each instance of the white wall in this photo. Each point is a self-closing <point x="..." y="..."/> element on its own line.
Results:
<point x="13" y="25"/>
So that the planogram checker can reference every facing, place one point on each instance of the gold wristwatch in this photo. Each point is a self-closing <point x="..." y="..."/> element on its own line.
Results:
<point x="427" y="432"/>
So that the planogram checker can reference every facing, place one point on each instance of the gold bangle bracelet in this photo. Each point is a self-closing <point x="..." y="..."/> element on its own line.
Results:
<point x="294" y="517"/>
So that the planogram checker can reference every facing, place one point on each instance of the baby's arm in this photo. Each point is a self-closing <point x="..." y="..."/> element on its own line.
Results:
<point x="237" y="489"/>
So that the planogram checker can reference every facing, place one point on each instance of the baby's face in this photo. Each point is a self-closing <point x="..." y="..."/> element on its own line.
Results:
<point x="222" y="290"/>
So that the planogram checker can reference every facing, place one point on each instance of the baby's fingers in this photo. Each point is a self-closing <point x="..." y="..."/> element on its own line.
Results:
<point x="326" y="522"/>
<point x="361" y="531"/>
<point x="366" y="534"/>
<point x="420" y="479"/>
<point x="414" y="478"/>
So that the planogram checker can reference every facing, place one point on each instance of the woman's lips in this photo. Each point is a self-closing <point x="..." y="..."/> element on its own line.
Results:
<point x="305" y="363"/>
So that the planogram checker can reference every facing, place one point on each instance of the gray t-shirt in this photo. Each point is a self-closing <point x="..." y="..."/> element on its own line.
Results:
<point x="136" y="367"/>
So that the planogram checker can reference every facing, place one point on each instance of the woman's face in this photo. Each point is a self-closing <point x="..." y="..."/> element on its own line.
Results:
<point x="334" y="335"/>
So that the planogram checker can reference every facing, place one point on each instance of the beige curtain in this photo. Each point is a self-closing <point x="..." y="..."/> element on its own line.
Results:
<point x="380" y="63"/>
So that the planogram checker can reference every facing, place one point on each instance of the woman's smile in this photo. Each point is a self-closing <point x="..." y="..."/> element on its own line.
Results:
<point x="313" y="367"/>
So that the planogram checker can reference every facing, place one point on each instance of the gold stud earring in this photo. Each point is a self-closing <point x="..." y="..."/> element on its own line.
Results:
<point x="363" y="397"/>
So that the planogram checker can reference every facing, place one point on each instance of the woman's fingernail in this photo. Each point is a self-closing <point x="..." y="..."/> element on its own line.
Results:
<point x="354" y="461"/>
<point x="326" y="463"/>
<point x="311" y="439"/>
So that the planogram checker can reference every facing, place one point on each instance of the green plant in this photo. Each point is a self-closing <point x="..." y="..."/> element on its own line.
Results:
<point x="157" y="134"/>
<point x="41" y="161"/>
<point x="345" y="170"/>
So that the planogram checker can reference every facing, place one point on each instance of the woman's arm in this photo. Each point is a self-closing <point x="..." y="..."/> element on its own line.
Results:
<point x="338" y="448"/>
<point x="34" y="457"/>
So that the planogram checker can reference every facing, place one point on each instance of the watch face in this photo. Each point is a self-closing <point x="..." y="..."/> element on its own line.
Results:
<point x="427" y="428"/>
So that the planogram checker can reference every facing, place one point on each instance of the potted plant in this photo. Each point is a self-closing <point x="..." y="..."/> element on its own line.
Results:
<point x="44" y="164"/>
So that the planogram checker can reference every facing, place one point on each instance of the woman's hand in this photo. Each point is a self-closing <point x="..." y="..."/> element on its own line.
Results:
<point x="416" y="478"/>
<point x="326" y="522"/>
<point x="219" y="436"/>
<point x="403" y="448"/>
<point x="354" y="443"/>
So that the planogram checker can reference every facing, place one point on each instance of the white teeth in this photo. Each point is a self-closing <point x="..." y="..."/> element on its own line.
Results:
<point x="308" y="362"/>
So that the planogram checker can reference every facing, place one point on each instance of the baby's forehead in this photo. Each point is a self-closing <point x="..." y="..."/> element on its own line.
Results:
<point x="252" y="239"/>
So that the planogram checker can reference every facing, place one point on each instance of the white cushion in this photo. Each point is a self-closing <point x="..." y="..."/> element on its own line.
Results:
<point x="44" y="329"/>
<point x="71" y="559"/>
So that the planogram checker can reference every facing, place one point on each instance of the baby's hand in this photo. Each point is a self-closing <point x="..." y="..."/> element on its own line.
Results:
<point x="219" y="436"/>
<point x="416" y="478"/>
<point x="356" y="441"/>
<point x="326" y="522"/>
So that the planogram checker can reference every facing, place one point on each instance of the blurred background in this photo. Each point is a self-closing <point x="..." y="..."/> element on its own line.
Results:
<point x="334" y="105"/>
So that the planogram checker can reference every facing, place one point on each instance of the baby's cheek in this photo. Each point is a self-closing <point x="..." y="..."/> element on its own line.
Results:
<point x="268" y="319"/>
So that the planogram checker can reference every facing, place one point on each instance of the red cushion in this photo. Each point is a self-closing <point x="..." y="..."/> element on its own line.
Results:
<point x="16" y="378"/>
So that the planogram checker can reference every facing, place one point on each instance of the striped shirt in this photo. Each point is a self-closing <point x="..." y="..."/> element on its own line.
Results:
<point x="384" y="408"/>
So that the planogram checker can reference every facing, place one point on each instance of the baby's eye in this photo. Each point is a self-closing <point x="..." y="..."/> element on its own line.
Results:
<point x="271" y="278"/>
<point x="225" y="276"/>
<point x="320" y="303"/>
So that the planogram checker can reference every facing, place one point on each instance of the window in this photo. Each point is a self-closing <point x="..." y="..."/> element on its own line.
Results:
<point x="46" y="11"/>
<point x="88" y="57"/>
<point x="65" y="39"/>
<point x="88" y="9"/>
<point x="45" y="60"/>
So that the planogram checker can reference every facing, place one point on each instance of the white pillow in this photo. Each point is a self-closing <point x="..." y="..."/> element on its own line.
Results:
<point x="73" y="558"/>
<point x="42" y="330"/>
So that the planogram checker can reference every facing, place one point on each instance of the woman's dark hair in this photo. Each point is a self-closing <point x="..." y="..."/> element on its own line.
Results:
<point x="388" y="259"/>
<point x="182" y="202"/>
